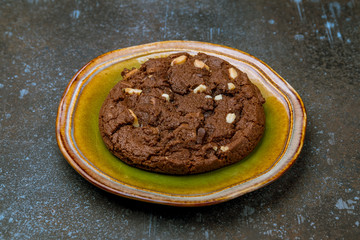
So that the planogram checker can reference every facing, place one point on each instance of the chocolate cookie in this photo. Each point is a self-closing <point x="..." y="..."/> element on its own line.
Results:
<point x="182" y="114"/>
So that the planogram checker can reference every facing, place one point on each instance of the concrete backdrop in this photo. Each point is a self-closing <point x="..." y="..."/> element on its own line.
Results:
<point x="313" y="44"/>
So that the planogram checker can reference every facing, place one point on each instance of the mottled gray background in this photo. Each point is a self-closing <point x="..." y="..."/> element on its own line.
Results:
<point x="313" y="44"/>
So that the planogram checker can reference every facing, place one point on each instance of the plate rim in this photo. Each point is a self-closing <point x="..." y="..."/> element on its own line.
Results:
<point x="179" y="45"/>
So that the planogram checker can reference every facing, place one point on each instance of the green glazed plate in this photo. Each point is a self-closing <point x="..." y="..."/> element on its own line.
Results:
<point x="80" y="141"/>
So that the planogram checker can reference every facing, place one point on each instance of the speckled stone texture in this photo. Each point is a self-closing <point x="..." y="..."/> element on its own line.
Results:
<point x="313" y="44"/>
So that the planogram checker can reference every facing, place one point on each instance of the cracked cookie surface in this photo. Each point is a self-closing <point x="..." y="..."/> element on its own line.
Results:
<point x="182" y="114"/>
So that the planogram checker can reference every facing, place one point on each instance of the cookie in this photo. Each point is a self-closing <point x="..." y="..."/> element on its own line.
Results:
<point x="182" y="114"/>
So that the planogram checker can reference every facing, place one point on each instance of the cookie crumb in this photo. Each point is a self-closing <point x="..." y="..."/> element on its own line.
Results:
<point x="199" y="89"/>
<point x="179" y="60"/>
<point x="201" y="64"/>
<point x="218" y="97"/>
<point x="166" y="96"/>
<point x="230" y="117"/>
<point x="231" y="86"/>
<point x="132" y="91"/>
<point x="224" y="148"/>
<point x="136" y="121"/>
<point x="233" y="73"/>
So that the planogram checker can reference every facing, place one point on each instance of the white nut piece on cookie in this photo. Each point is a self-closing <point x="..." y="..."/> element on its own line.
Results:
<point x="201" y="64"/>
<point x="233" y="73"/>
<point x="199" y="89"/>
<point x="132" y="72"/>
<point x="215" y="148"/>
<point x="218" y="97"/>
<point x="136" y="121"/>
<point x="166" y="96"/>
<point x="179" y="60"/>
<point x="230" y="117"/>
<point x="231" y="86"/>
<point x="132" y="91"/>
<point x="224" y="148"/>
<point x="208" y="96"/>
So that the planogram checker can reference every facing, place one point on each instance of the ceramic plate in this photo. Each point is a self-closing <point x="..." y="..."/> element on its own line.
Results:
<point x="80" y="141"/>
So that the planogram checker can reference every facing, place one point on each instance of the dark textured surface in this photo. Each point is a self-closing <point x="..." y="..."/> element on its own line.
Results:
<point x="314" y="45"/>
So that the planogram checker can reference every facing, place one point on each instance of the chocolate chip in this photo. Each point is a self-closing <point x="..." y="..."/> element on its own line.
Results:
<point x="200" y="137"/>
